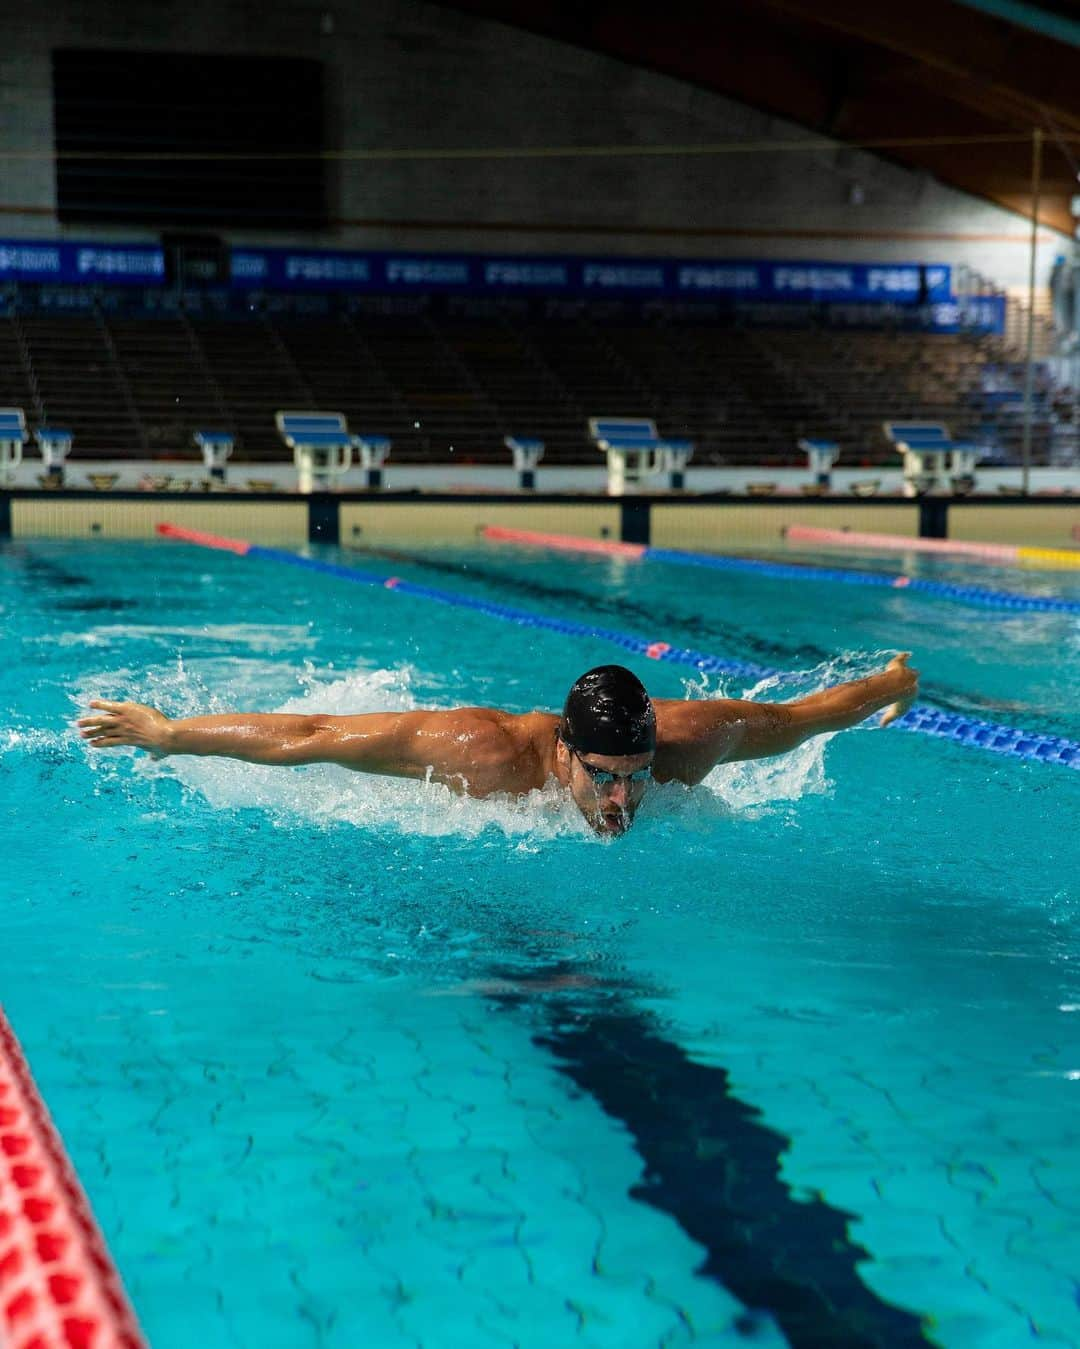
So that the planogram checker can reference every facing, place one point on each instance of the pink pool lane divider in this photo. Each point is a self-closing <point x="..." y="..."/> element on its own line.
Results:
<point x="239" y="546"/>
<point x="900" y="543"/>
<point x="1015" y="554"/>
<point x="564" y="542"/>
<point x="58" y="1286"/>
<point x="978" y="596"/>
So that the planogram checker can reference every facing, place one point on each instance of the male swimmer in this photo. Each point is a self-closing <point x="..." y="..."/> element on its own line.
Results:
<point x="611" y="741"/>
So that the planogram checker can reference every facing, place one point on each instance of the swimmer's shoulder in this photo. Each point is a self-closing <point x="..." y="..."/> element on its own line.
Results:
<point x="693" y="736"/>
<point x="533" y="734"/>
<point x="512" y="736"/>
<point x="509" y="752"/>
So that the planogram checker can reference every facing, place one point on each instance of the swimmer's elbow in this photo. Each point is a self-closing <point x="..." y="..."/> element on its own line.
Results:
<point x="766" y="729"/>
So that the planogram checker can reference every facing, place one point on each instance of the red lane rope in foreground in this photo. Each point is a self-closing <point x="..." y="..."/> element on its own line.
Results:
<point x="58" y="1286"/>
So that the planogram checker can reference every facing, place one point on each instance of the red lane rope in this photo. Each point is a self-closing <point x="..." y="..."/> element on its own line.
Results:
<point x="563" y="542"/>
<point x="58" y="1286"/>
<point x="200" y="536"/>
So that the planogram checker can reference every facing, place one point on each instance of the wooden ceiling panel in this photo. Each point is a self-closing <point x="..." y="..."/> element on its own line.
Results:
<point x="857" y="72"/>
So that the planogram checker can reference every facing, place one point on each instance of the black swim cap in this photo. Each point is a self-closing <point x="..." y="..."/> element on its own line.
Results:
<point x="608" y="712"/>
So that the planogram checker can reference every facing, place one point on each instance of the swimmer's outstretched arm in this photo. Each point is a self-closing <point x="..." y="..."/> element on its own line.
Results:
<point x="466" y="747"/>
<point x="696" y="736"/>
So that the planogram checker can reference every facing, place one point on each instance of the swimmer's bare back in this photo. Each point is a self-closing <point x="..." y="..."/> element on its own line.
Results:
<point x="481" y="750"/>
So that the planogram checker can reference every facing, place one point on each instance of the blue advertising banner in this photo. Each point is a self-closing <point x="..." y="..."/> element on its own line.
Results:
<point x="293" y="269"/>
<point x="74" y="263"/>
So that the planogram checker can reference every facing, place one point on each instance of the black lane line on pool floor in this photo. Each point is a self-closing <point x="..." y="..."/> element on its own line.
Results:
<point x="734" y="640"/>
<point x="42" y="569"/>
<point x="712" y="1165"/>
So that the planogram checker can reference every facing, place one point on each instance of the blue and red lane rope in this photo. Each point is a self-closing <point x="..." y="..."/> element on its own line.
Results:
<point x="979" y="596"/>
<point x="922" y="718"/>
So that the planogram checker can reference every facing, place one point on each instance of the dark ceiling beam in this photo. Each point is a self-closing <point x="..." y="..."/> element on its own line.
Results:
<point x="957" y="41"/>
<point x="849" y="72"/>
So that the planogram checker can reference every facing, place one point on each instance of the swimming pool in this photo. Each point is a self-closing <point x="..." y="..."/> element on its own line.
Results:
<point x="345" y="1060"/>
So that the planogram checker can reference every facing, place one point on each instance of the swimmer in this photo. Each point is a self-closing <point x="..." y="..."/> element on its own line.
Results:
<point x="609" y="744"/>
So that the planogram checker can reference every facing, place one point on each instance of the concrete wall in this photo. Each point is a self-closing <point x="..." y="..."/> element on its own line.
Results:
<point x="404" y="74"/>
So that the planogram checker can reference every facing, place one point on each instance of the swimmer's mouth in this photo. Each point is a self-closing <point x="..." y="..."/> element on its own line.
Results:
<point x="616" y="823"/>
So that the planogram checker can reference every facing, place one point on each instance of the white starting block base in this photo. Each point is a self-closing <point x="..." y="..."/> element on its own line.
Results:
<point x="216" y="447"/>
<point x="11" y="456"/>
<point x="821" y="455"/>
<point x="637" y="455"/>
<point x="318" y="465"/>
<point x="527" y="453"/>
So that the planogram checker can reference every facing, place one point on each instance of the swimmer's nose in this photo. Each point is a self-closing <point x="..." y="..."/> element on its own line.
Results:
<point x="619" y="792"/>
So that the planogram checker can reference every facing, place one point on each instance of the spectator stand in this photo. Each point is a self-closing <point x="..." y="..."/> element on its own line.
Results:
<point x="636" y="453"/>
<point x="527" y="452"/>
<point x="216" y="447"/>
<point x="933" y="461"/>
<point x="321" y="445"/>
<point x="12" y="440"/>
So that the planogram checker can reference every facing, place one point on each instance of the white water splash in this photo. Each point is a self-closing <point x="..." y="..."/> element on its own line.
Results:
<point x="16" y="741"/>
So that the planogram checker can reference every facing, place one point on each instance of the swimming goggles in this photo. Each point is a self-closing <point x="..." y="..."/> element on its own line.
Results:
<point x="602" y="778"/>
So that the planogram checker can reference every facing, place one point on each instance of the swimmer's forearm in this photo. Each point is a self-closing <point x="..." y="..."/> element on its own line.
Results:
<point x="265" y="738"/>
<point x="751" y="730"/>
<point x="840" y="708"/>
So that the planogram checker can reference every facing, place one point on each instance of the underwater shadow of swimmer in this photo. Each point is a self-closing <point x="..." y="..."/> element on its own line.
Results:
<point x="709" y="1162"/>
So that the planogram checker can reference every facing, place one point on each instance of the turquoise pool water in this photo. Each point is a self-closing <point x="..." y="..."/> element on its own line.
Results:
<point x="347" y="1061"/>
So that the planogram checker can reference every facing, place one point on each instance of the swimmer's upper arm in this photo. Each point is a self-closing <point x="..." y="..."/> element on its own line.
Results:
<point x="694" y="736"/>
<point x="467" y="745"/>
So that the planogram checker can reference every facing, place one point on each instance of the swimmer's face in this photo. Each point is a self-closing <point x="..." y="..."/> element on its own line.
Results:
<point x="606" y="788"/>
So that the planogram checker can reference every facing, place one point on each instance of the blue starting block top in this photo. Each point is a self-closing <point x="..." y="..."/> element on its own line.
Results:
<point x="635" y="433"/>
<point x="527" y="444"/>
<point x="55" y="435"/>
<point x="373" y="443"/>
<point x="924" y="437"/>
<point x="314" y="430"/>
<point x="623" y="429"/>
<point x="917" y="433"/>
<point x="319" y="440"/>
<point x="216" y="438"/>
<point x="807" y="444"/>
<point x="13" y="425"/>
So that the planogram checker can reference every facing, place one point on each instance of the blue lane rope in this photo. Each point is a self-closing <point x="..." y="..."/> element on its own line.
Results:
<point x="926" y="720"/>
<point x="790" y="571"/>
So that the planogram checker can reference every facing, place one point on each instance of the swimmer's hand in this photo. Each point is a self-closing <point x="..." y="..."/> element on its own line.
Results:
<point x="906" y="681"/>
<point x="113" y="724"/>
